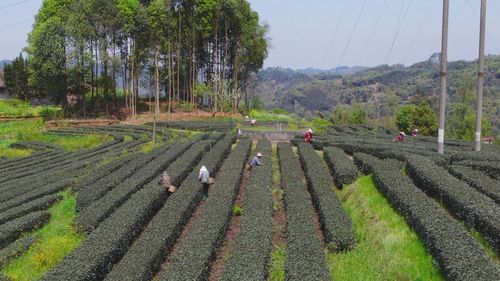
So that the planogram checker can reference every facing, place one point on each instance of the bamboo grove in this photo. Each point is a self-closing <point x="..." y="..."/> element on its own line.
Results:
<point x="190" y="52"/>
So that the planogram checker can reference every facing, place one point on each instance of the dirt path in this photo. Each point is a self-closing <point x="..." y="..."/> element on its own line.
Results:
<point x="279" y="218"/>
<point x="233" y="229"/>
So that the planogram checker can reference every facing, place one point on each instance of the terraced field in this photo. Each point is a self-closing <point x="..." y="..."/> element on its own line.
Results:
<point x="290" y="219"/>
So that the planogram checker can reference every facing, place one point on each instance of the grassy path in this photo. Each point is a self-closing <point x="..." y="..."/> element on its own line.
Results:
<point x="387" y="248"/>
<point x="56" y="239"/>
<point x="277" y="262"/>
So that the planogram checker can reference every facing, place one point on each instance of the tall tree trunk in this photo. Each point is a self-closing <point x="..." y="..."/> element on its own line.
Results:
<point x="179" y="58"/>
<point x="216" y="84"/>
<point x="113" y="82"/>
<point x="97" y="72"/>
<point x="170" y="82"/>
<point x="132" y="79"/>
<point x="235" y="80"/>
<point x="124" y="74"/>
<point x="157" y="83"/>
<point x="106" y="74"/>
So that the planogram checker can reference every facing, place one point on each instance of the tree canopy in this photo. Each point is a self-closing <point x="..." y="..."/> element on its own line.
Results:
<point x="104" y="49"/>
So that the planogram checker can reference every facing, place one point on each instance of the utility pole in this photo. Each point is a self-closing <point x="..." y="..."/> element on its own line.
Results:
<point x="480" y="78"/>
<point x="444" y="60"/>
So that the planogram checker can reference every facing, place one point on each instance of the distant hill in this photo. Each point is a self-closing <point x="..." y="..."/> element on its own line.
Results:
<point x="305" y="91"/>
<point x="4" y="62"/>
<point x="342" y="70"/>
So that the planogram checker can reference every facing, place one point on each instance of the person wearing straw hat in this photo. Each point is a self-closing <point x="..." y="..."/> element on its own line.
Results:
<point x="256" y="160"/>
<point x="308" y="136"/>
<point x="166" y="182"/>
<point x="400" y="137"/>
<point x="204" y="177"/>
<point x="414" y="132"/>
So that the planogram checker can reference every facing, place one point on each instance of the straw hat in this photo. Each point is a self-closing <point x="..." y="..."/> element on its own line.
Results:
<point x="402" y="133"/>
<point x="310" y="130"/>
<point x="259" y="154"/>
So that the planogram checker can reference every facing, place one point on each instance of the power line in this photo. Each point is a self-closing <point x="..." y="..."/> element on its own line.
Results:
<point x="452" y="20"/>
<point x="13" y="4"/>
<point x="352" y="33"/>
<point x="17" y="23"/>
<point x="397" y="33"/>
<point x="496" y="8"/>
<point x="397" y="25"/>
<point x="487" y="33"/>
<point x="334" y="34"/>
<point x="419" y="29"/>
<point x="371" y="32"/>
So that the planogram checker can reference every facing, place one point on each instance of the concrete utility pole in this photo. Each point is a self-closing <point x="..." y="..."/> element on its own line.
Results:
<point x="444" y="60"/>
<point x="480" y="78"/>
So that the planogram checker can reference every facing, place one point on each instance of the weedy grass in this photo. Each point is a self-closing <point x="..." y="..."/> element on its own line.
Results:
<point x="149" y="146"/>
<point x="33" y="130"/>
<point x="19" y="108"/>
<point x="387" y="248"/>
<point x="494" y="256"/>
<point x="56" y="239"/>
<point x="277" y="265"/>
<point x="15" y="153"/>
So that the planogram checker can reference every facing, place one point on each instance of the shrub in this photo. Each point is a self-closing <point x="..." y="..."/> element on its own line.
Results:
<point x="491" y="168"/>
<point x="343" y="170"/>
<point x="95" y="213"/>
<point x="15" y="249"/>
<point x="249" y="258"/>
<point x="466" y="203"/>
<point x="94" y="258"/>
<point x="305" y="259"/>
<point x="480" y="181"/>
<point x="456" y="252"/>
<point x="147" y="253"/>
<point x="51" y="113"/>
<point x="36" y="193"/>
<point x="198" y="250"/>
<point x="237" y="210"/>
<point x="335" y="224"/>
<point x="12" y="230"/>
<point x="39" y="204"/>
<point x="97" y="190"/>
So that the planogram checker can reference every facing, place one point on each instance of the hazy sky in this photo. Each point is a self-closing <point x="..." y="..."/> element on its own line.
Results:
<point x="302" y="31"/>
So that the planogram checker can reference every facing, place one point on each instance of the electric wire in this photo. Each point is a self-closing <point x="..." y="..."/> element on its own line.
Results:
<point x="17" y="23"/>
<point x="13" y="4"/>
<point x="496" y="8"/>
<point x="419" y="29"/>
<point x="352" y="33"/>
<point x="451" y="21"/>
<point x="370" y="36"/>
<point x="397" y="33"/>
<point x="334" y="34"/>
<point x="490" y="39"/>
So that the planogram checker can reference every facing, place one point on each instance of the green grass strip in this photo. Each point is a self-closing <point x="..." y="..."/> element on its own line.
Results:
<point x="277" y="265"/>
<point x="387" y="248"/>
<point x="33" y="130"/>
<point x="56" y="239"/>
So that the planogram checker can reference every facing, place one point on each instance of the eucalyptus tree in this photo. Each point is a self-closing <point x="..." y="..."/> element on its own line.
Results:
<point x="193" y="47"/>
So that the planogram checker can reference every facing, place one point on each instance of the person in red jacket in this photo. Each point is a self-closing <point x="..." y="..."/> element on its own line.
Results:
<point x="308" y="136"/>
<point x="400" y="137"/>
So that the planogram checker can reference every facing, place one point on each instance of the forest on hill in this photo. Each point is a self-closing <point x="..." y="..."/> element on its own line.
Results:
<point x="379" y="90"/>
